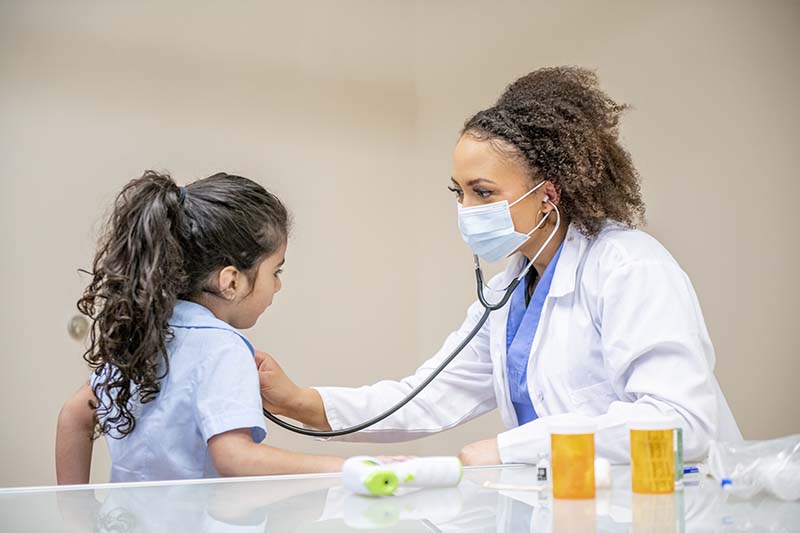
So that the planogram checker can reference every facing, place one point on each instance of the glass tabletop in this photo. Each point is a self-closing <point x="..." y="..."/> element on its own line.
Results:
<point x="320" y="503"/>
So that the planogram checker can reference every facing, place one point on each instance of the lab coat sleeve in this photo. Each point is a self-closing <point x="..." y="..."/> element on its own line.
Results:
<point x="462" y="391"/>
<point x="659" y="359"/>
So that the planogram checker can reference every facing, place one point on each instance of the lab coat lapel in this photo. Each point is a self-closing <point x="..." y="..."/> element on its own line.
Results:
<point x="565" y="276"/>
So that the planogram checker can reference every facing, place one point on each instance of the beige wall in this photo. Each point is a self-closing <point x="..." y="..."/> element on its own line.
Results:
<point x="349" y="111"/>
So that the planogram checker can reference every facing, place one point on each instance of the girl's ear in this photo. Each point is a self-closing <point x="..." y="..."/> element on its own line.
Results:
<point x="229" y="281"/>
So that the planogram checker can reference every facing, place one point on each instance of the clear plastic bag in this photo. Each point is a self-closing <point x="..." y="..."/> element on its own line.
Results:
<point x="746" y="468"/>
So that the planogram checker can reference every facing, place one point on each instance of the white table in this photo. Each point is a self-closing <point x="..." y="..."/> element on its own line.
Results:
<point x="318" y="503"/>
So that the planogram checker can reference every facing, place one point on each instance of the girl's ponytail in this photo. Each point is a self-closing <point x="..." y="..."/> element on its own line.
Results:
<point x="137" y="275"/>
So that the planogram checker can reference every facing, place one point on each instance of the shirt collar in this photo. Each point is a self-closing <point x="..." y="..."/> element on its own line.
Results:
<point x="188" y="314"/>
<point x="566" y="272"/>
<point x="566" y="267"/>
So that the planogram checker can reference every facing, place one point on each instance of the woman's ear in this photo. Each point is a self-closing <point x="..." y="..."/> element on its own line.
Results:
<point x="229" y="281"/>
<point x="550" y="196"/>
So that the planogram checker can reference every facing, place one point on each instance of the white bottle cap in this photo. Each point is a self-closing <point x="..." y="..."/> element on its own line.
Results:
<point x="570" y="424"/>
<point x="653" y="423"/>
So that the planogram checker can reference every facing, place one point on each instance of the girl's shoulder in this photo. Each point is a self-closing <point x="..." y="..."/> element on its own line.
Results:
<point x="210" y="340"/>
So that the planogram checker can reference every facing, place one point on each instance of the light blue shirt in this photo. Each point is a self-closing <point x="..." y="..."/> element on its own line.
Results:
<point x="520" y="331"/>
<point x="211" y="387"/>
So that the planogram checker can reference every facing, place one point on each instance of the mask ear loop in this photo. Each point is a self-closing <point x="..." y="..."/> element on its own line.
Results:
<point x="546" y="243"/>
<point x="538" y="253"/>
<point x="518" y="200"/>
<point x="509" y="290"/>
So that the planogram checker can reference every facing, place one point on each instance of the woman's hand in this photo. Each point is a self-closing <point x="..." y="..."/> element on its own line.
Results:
<point x="278" y="391"/>
<point x="483" y="452"/>
<point x="281" y="396"/>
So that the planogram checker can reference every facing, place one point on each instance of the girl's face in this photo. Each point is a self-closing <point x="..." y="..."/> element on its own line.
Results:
<point x="257" y="297"/>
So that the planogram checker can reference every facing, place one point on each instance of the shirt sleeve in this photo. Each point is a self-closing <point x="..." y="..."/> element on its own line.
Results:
<point x="227" y="395"/>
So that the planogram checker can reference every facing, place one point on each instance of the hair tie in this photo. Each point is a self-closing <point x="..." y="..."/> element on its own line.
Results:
<point x="181" y="195"/>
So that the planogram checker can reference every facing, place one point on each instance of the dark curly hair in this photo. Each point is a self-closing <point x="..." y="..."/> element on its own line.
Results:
<point x="161" y="243"/>
<point x="563" y="128"/>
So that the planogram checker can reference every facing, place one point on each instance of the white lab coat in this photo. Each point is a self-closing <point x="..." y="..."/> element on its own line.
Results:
<point x="621" y="336"/>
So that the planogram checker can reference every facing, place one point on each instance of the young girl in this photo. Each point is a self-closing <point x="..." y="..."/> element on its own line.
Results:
<point x="175" y="387"/>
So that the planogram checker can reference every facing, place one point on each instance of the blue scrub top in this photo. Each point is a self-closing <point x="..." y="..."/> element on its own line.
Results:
<point x="520" y="331"/>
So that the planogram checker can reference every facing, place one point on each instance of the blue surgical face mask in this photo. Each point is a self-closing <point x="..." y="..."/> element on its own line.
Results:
<point x="489" y="230"/>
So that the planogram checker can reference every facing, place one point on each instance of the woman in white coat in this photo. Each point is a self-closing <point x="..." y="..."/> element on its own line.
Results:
<point x="605" y="325"/>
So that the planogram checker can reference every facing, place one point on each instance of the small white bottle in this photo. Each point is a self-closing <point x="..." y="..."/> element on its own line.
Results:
<point x="543" y="469"/>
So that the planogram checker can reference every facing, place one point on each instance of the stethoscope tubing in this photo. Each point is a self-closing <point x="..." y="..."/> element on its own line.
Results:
<point x="488" y="309"/>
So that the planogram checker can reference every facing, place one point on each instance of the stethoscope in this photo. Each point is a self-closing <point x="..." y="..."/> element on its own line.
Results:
<point x="488" y="308"/>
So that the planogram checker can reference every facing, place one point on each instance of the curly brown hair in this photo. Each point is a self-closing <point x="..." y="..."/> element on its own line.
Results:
<point x="563" y="128"/>
<point x="161" y="243"/>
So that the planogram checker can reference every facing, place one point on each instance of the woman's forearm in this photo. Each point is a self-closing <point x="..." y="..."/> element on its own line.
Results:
<point x="310" y="410"/>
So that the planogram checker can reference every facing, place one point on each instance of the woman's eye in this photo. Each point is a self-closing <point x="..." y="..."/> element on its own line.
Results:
<point x="482" y="193"/>
<point x="278" y="272"/>
<point x="458" y="192"/>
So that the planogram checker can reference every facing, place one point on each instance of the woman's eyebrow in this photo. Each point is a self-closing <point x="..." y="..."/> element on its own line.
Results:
<point x="475" y="181"/>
